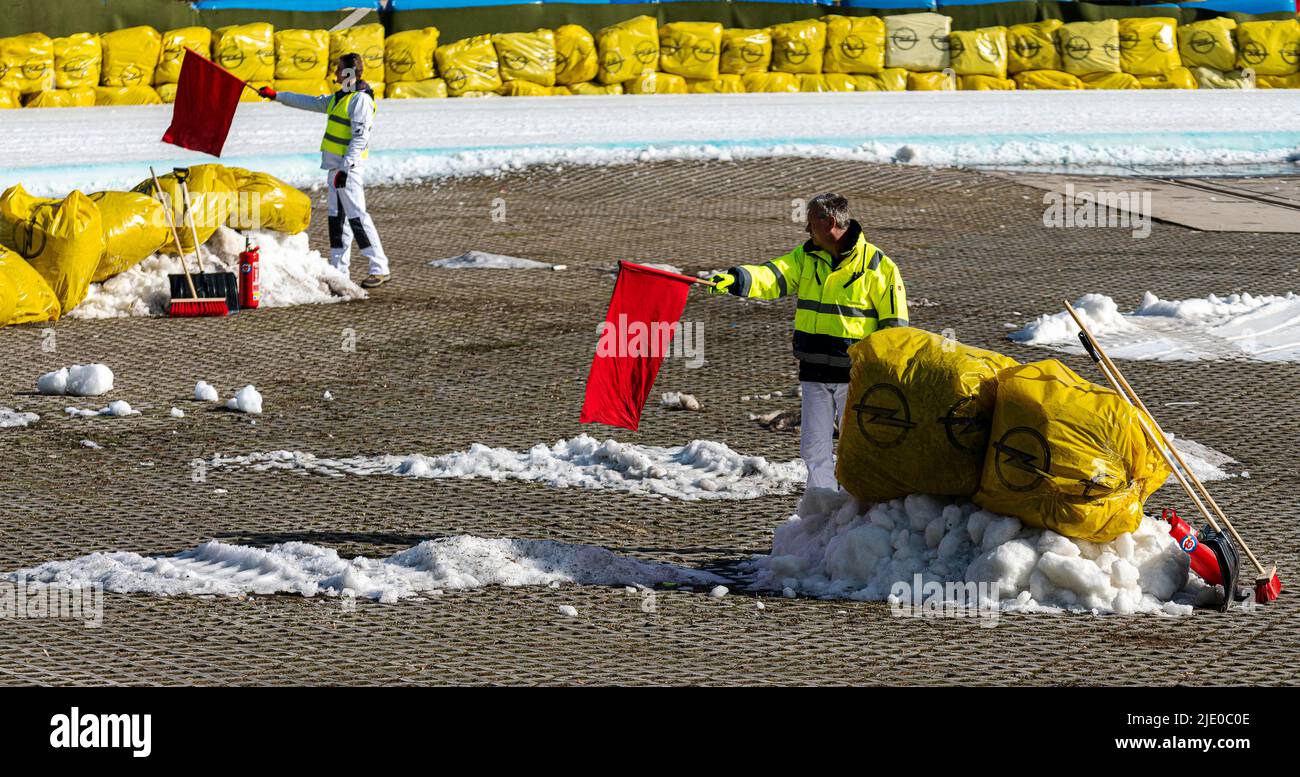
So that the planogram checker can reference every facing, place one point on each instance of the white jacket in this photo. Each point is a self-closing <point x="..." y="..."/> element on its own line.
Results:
<point x="362" y="113"/>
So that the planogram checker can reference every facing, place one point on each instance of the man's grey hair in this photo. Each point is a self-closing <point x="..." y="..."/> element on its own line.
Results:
<point x="832" y="206"/>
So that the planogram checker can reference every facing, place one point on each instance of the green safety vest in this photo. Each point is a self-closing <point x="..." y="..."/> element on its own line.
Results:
<point x="338" y="125"/>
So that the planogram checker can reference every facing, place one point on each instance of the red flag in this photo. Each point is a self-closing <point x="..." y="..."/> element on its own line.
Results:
<point x="642" y="319"/>
<point x="206" y="98"/>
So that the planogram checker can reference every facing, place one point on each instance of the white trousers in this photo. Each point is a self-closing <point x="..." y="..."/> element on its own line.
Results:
<point x="823" y="405"/>
<point x="348" y="220"/>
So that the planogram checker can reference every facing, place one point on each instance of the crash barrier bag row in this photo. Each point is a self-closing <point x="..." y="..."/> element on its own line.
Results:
<point x="130" y="56"/>
<point x="366" y="40"/>
<point x="690" y="49"/>
<point x="24" y="295"/>
<point x="303" y="55"/>
<point x="408" y="56"/>
<point x="981" y="52"/>
<point x="62" y="240"/>
<point x="27" y="63"/>
<point x="526" y="56"/>
<point x="917" y="41"/>
<point x="628" y="49"/>
<point x="77" y="61"/>
<point x="854" y="44"/>
<point x="745" y="51"/>
<point x="576" y="60"/>
<point x="174" y="45"/>
<point x="1067" y="455"/>
<point x="917" y="415"/>
<point x="798" y="47"/>
<point x="469" y="65"/>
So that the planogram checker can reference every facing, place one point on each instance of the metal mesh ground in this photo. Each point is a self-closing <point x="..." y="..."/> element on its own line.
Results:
<point x="446" y="358"/>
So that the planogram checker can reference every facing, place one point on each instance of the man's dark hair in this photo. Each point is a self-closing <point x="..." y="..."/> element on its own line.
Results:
<point x="353" y="61"/>
<point x="832" y="206"/>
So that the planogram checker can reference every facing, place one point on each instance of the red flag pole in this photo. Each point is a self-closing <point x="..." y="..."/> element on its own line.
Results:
<point x="678" y="276"/>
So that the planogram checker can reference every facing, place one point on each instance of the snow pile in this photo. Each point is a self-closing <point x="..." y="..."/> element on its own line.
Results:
<point x="117" y="409"/>
<point x="701" y="469"/>
<point x="290" y="273"/>
<point x="10" y="418"/>
<point x="79" y="380"/>
<point x="176" y="412"/>
<point x="834" y="549"/>
<point x="246" y="400"/>
<point x="676" y="400"/>
<point x="205" y="392"/>
<point x="451" y="563"/>
<point x="1238" y="326"/>
<point x="482" y="260"/>
<point x="1205" y="462"/>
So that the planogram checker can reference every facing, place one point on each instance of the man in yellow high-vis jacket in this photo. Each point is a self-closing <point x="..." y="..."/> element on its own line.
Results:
<point x="351" y="116"/>
<point x="847" y="289"/>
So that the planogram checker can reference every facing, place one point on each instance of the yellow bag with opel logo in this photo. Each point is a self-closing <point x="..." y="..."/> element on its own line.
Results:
<point x="366" y="40"/>
<point x="690" y="49"/>
<point x="628" y="49"/>
<point x="931" y="82"/>
<point x="266" y="202"/>
<point x="10" y="98"/>
<point x="403" y="90"/>
<point x="135" y="226"/>
<point x="246" y="50"/>
<point x="854" y="44"/>
<point x="527" y="56"/>
<point x="745" y="51"/>
<point x="62" y="240"/>
<point x="1271" y="48"/>
<point x="1208" y="43"/>
<point x="1067" y="455"/>
<point x="1176" y="78"/>
<point x="304" y="55"/>
<point x="575" y="55"/>
<point x="408" y="56"/>
<point x="77" y="61"/>
<point x="174" y="44"/>
<point x="469" y="65"/>
<point x="1090" y="47"/>
<point x="27" y="63"/>
<point x="1033" y="46"/>
<point x="24" y="295"/>
<point x="981" y="52"/>
<point x="917" y="41"/>
<point x="130" y="56"/>
<point x="1148" y="45"/>
<point x="917" y="416"/>
<point x="798" y="47"/>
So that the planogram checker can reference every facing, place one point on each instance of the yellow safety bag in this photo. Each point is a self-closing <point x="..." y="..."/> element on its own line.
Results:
<point x="981" y="52"/>
<point x="27" y="63"/>
<point x="166" y="92"/>
<point x="315" y="87"/>
<point x="246" y="50"/>
<point x="1033" y="46"/>
<point x="745" y="51"/>
<point x="77" y="61"/>
<point x="826" y="82"/>
<point x="469" y="65"/>
<point x="433" y="87"/>
<point x="798" y="47"/>
<point x="917" y="416"/>
<point x="1046" y="79"/>
<point x="854" y="44"/>
<point x="628" y="49"/>
<point x="129" y="56"/>
<point x="62" y="240"/>
<point x="1278" y="82"/>
<point x="1176" y="78"/>
<point x="770" y="82"/>
<point x="1090" y="47"/>
<point x="867" y="83"/>
<point x="931" y="82"/>
<point x="408" y="55"/>
<point x="127" y="95"/>
<point x="1067" y="455"/>
<point x="690" y="49"/>
<point x="1208" y="43"/>
<point x="725" y="83"/>
<point x="266" y="202"/>
<point x="1271" y="48"/>
<point x="1209" y="78"/>
<point x="917" y="41"/>
<point x="984" y="84"/>
<point x="1148" y="46"/>
<point x="174" y="44"/>
<point x="10" y="98"/>
<point x="79" y="97"/>
<point x="526" y="89"/>
<point x="575" y="55"/>
<point x="135" y="227"/>
<point x="654" y="82"/>
<point x="1110" y="81"/>
<point x="595" y="87"/>
<point x="366" y="40"/>
<point x="304" y="55"/>
<point x="213" y="195"/>
<point x="24" y="295"/>
<point x="527" y="56"/>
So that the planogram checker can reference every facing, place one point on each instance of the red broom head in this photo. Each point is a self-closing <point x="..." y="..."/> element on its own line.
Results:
<point x="1267" y="590"/>
<point x="197" y="308"/>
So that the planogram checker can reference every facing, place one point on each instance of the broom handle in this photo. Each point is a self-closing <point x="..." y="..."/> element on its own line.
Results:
<point x="1127" y="391"/>
<point x="189" y="218"/>
<point x="171" y="222"/>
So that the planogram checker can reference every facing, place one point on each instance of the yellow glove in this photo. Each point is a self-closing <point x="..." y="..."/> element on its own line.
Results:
<point x="722" y="283"/>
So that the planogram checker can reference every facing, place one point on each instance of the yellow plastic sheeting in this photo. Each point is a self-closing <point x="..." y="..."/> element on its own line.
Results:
<point x="985" y="84"/>
<point x="166" y="92"/>
<point x="917" y="416"/>
<point x="62" y="240"/>
<point x="595" y="87"/>
<point x="469" y="65"/>
<point x="575" y="55"/>
<point x="77" y="60"/>
<point x="725" y="83"/>
<point x="917" y="41"/>
<point x="867" y="83"/>
<point x="690" y="49"/>
<point x="1033" y="46"/>
<point x="246" y="50"/>
<point x="174" y="44"/>
<point x="526" y="89"/>
<point x="27" y="63"/>
<point x="745" y="51"/>
<point x="1278" y="82"/>
<point x="854" y="44"/>
<point x="10" y="98"/>
<point x="654" y="82"/>
<point x="366" y="40"/>
<point x="527" y="56"/>
<point x="1209" y="43"/>
<point x="798" y="47"/>
<point x="1046" y="79"/>
<point x="213" y="195"/>
<point x="127" y="95"/>
<point x="1067" y="455"/>
<point x="25" y="297"/>
<point x="826" y="82"/>
<point x="79" y="97"/>
<point x="135" y="226"/>
<point x="408" y="56"/>
<point x="303" y="55"/>
<point x="628" y="49"/>
<point x="315" y="87"/>
<point x="931" y="82"/>
<point x="1271" y="48"/>
<point x="981" y="52"/>
<point x="1176" y="78"/>
<point x="1209" y="78"/>
<point x="1090" y="47"/>
<point x="1110" y="81"/>
<point x="433" y="87"/>
<point x="1148" y="46"/>
<point x="129" y="56"/>
<point x="266" y="202"/>
<point x="770" y="82"/>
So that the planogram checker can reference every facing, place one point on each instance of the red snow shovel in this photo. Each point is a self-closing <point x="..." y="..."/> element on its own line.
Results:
<point x="1267" y="585"/>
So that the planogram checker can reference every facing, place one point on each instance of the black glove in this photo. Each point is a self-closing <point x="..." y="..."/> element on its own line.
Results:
<point x="340" y="179"/>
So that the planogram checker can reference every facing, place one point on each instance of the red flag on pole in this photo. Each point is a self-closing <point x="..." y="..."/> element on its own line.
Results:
<point x="634" y="338"/>
<point x="206" y="98"/>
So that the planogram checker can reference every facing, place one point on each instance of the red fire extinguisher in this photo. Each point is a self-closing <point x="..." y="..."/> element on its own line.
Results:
<point x="249" y="293"/>
<point x="1202" y="558"/>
